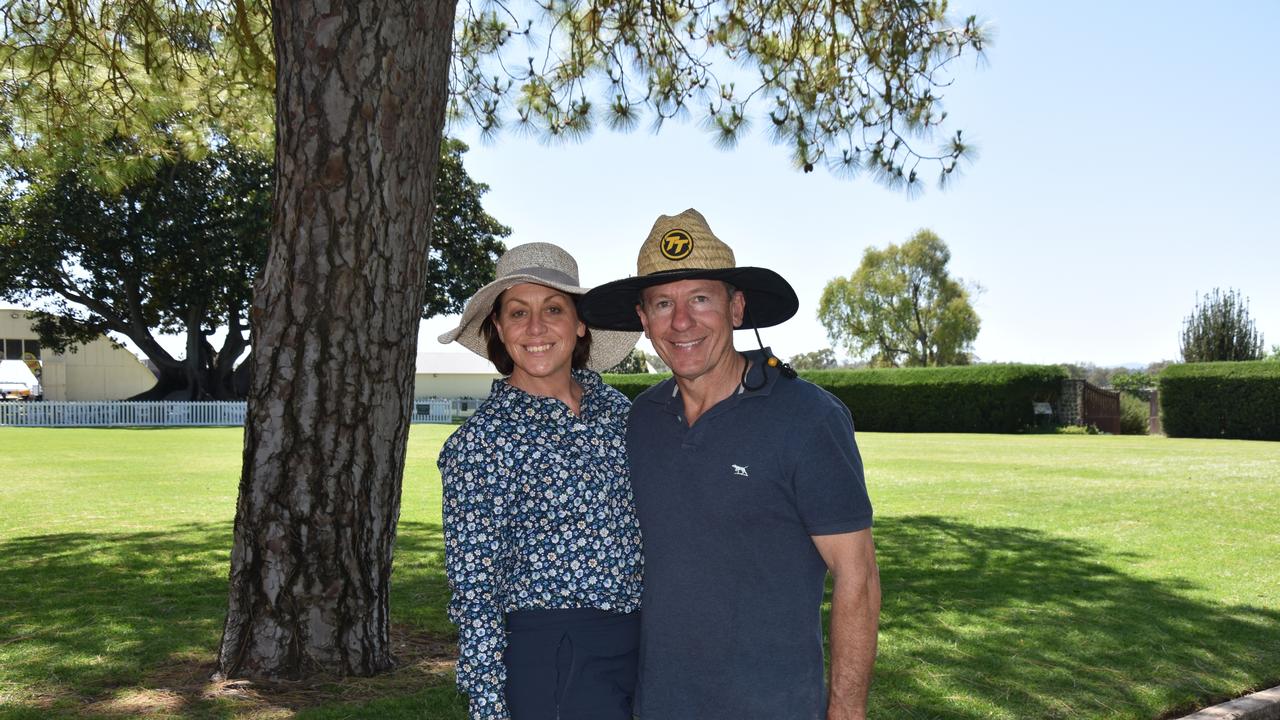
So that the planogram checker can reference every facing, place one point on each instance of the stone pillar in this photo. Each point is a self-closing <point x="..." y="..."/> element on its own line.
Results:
<point x="1071" y="403"/>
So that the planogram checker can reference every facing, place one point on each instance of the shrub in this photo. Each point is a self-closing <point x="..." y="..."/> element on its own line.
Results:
<point x="976" y="398"/>
<point x="632" y="385"/>
<point x="1076" y="430"/>
<point x="980" y="398"/>
<point x="1135" y="414"/>
<point x="1222" y="399"/>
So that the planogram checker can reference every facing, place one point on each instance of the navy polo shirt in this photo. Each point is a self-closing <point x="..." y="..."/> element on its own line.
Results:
<point x="731" y="610"/>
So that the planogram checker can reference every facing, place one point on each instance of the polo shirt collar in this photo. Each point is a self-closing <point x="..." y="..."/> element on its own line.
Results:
<point x="670" y="398"/>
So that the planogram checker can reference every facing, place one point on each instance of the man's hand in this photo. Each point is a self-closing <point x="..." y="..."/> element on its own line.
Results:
<point x="855" y="619"/>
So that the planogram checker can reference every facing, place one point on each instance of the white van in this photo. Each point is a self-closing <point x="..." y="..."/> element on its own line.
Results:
<point x="17" y="382"/>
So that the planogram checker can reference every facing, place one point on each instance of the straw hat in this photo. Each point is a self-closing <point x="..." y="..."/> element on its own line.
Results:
<point x="541" y="264"/>
<point x="682" y="247"/>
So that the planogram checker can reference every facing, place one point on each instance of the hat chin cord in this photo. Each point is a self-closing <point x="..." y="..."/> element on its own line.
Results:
<point x="770" y="359"/>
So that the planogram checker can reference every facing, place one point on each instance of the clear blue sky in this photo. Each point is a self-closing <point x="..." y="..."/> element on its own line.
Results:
<point x="1128" y="162"/>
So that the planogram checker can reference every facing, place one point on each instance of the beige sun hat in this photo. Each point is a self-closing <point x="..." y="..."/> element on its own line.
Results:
<point x="682" y="247"/>
<point x="542" y="264"/>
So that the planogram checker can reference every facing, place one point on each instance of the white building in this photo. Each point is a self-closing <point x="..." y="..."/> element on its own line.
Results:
<point x="96" y="371"/>
<point x="453" y="375"/>
<point x="102" y="371"/>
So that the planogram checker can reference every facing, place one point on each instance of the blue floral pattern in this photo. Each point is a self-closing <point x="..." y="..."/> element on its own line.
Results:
<point x="538" y="514"/>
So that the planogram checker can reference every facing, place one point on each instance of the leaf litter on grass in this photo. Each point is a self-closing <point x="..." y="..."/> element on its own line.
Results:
<point x="183" y="688"/>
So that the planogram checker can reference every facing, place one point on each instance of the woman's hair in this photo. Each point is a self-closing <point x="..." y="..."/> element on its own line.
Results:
<point x="501" y="359"/>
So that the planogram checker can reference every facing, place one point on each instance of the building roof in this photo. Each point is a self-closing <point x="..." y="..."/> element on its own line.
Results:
<point x="454" y="363"/>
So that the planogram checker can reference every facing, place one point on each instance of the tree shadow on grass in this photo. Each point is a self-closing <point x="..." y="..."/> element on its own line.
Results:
<point x="110" y="624"/>
<point x="1007" y="622"/>
<point x="978" y="622"/>
<point x="88" y="609"/>
<point x="419" y="587"/>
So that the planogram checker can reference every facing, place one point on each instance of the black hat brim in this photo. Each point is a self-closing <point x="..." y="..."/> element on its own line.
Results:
<point x="770" y="298"/>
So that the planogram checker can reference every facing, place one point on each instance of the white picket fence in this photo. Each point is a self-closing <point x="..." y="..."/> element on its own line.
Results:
<point x="433" y="410"/>
<point x="164" y="414"/>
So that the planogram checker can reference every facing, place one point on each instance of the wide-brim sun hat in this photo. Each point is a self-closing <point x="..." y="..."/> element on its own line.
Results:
<point x="682" y="247"/>
<point x="541" y="264"/>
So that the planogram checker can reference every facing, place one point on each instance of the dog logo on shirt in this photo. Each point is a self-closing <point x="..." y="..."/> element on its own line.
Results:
<point x="739" y="470"/>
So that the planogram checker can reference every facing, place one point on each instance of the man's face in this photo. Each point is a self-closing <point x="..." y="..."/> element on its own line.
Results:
<point x="690" y="323"/>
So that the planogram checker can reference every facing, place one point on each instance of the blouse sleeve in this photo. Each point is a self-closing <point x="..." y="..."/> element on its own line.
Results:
<point x="476" y="560"/>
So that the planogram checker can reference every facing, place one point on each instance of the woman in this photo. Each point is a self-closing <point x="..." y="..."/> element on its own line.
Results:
<point x="542" y="547"/>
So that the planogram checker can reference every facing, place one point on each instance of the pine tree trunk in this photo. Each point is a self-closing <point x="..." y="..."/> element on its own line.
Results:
<point x="360" y="99"/>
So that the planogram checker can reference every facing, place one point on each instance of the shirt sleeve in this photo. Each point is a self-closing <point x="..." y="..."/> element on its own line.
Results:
<point x="476" y="563"/>
<point x="830" y="489"/>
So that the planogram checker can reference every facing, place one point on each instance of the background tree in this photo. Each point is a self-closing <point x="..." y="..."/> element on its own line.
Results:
<point x="1091" y="372"/>
<point x="633" y="364"/>
<point x="465" y="240"/>
<point x="1220" y="329"/>
<point x="1134" y="382"/>
<point x="654" y="363"/>
<point x="361" y="90"/>
<point x="172" y="252"/>
<point x="639" y="361"/>
<point x="852" y="85"/>
<point x="176" y="252"/>
<point x="824" y="359"/>
<point x="902" y="307"/>
<point x="1139" y="383"/>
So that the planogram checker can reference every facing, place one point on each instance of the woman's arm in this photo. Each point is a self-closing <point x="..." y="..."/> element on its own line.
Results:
<point x="476" y="565"/>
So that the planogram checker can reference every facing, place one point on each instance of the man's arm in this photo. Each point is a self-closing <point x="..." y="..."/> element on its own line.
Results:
<point x="855" y="619"/>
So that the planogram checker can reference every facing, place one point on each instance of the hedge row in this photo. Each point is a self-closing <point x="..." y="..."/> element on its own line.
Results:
<point x="1221" y="400"/>
<point x="633" y="385"/>
<point x="977" y="398"/>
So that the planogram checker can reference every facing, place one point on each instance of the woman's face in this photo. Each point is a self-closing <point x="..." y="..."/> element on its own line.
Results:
<point x="539" y="327"/>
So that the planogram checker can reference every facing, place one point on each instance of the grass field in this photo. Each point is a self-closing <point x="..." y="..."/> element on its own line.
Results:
<point x="1025" y="577"/>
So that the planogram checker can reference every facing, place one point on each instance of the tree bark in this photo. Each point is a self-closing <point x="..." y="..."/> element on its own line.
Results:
<point x="196" y="362"/>
<point x="360" y="99"/>
<point x="224" y="365"/>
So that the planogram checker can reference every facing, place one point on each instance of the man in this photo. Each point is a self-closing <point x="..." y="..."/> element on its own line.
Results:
<point x="749" y="489"/>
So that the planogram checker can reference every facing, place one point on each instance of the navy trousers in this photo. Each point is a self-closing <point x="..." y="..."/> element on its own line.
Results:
<point x="576" y="664"/>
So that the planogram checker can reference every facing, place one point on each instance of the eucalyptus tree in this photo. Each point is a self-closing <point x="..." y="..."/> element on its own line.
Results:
<point x="361" y="94"/>
<point x="902" y="307"/>
<point x="821" y="359"/>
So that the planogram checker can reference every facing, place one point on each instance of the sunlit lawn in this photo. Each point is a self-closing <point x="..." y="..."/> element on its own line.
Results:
<point x="1043" y="576"/>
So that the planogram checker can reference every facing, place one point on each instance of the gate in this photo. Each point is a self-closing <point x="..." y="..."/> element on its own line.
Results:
<point x="1101" y="408"/>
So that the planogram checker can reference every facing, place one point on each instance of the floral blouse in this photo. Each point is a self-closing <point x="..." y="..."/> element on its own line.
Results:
<point x="538" y="514"/>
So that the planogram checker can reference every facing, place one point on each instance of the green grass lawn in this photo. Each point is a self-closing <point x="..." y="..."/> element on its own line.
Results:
<point x="1042" y="576"/>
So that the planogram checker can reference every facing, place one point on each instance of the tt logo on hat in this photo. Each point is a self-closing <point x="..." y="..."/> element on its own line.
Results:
<point x="676" y="245"/>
